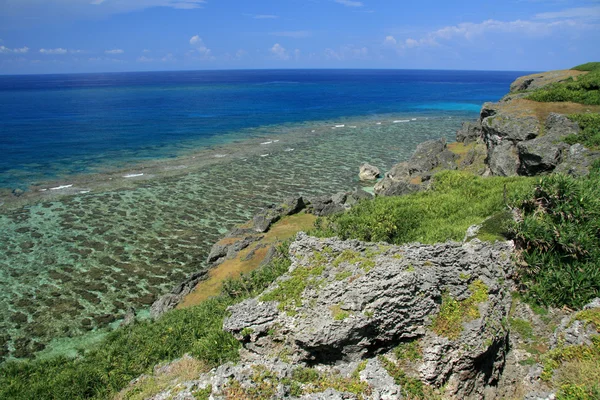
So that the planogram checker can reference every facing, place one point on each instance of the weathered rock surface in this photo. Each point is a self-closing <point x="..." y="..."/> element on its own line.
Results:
<point x="368" y="172"/>
<point x="413" y="175"/>
<point x="362" y="298"/>
<point x="328" y="205"/>
<point x="536" y="81"/>
<point x="469" y="132"/>
<point x="170" y="300"/>
<point x="503" y="159"/>
<point x="577" y="160"/>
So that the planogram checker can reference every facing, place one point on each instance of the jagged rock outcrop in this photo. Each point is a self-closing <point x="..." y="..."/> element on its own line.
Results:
<point x="367" y="172"/>
<point x="343" y="301"/>
<point x="328" y="205"/>
<point x="536" y="81"/>
<point x="469" y="132"/>
<point x="413" y="175"/>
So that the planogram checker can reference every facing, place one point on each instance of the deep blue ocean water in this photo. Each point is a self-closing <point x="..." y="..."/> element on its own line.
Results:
<point x="55" y="125"/>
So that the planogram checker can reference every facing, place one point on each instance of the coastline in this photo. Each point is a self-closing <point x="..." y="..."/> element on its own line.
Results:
<point x="185" y="228"/>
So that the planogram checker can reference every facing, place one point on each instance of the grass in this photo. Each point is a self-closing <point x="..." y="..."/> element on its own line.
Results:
<point x="584" y="89"/>
<point x="559" y="234"/>
<point x="131" y="351"/>
<point x="591" y="66"/>
<point x="589" y="134"/>
<point x="458" y="200"/>
<point x="409" y="351"/>
<point x="412" y="388"/>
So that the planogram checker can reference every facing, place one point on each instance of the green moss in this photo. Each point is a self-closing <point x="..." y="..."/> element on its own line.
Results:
<point x="411" y="388"/>
<point x="496" y="227"/>
<point x="340" y="276"/>
<point x="289" y="292"/>
<point x="522" y="327"/>
<point x="410" y="351"/>
<point x="354" y="257"/>
<point x="464" y="277"/>
<point x="554" y="358"/>
<point x="316" y="382"/>
<point x="305" y="375"/>
<point x="247" y="331"/>
<point x="203" y="394"/>
<point x="339" y="314"/>
<point x="454" y="313"/>
<point x="591" y="316"/>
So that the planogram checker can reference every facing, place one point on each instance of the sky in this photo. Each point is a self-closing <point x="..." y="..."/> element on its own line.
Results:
<point x="71" y="36"/>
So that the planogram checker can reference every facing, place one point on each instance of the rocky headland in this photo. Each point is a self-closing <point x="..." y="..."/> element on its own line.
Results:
<point x="353" y="319"/>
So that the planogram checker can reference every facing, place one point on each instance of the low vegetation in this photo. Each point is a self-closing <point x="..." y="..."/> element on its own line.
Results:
<point x="457" y="201"/>
<point x="584" y="89"/>
<point x="559" y="234"/>
<point x="589" y="130"/>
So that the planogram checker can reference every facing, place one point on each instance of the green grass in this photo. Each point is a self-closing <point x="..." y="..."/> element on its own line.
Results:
<point x="591" y="66"/>
<point x="559" y="233"/>
<point x="589" y="134"/>
<point x="457" y="201"/>
<point x="454" y="313"/>
<point x="584" y="89"/>
<point x="131" y="351"/>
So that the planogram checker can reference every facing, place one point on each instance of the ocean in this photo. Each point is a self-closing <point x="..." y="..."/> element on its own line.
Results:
<point x="128" y="178"/>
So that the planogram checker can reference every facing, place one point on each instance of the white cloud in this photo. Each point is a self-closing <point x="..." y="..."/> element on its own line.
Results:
<point x="390" y="41"/>
<point x="146" y="51"/>
<point x="240" y="54"/>
<point x="54" y="52"/>
<point x="144" y="59"/>
<point x="350" y="3"/>
<point x="292" y="34"/>
<point x="168" y="58"/>
<point x="579" y="12"/>
<point x="114" y="51"/>
<point x="470" y="31"/>
<point x="21" y="50"/>
<point x="279" y="52"/>
<point x="197" y="42"/>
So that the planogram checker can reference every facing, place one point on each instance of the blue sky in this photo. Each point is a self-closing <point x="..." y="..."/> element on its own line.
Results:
<point x="54" y="36"/>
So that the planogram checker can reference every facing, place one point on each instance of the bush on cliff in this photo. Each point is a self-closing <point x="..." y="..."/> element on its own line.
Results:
<point x="584" y="89"/>
<point x="457" y="201"/>
<point x="591" y="66"/>
<point x="559" y="233"/>
<point x="589" y="134"/>
<point x="131" y="351"/>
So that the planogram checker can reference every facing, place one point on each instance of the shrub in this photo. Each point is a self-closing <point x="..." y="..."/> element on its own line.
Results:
<point x="589" y="134"/>
<point x="585" y="89"/>
<point x="559" y="233"/>
<point x="457" y="201"/>
<point x="591" y="66"/>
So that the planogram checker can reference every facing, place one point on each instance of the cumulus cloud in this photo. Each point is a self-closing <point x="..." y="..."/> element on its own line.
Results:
<point x="144" y="59"/>
<point x="53" y="52"/>
<point x="21" y="50"/>
<point x="114" y="51"/>
<point x="279" y="52"/>
<point x="199" y="46"/>
<point x="350" y="3"/>
<point x="292" y="34"/>
<point x="470" y="31"/>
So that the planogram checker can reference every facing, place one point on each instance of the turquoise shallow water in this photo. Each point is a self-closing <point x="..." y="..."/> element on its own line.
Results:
<point x="73" y="264"/>
<point x="130" y="178"/>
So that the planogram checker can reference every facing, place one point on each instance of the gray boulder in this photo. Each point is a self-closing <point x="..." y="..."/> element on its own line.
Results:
<point x="324" y="205"/>
<point x="577" y="161"/>
<point x="559" y="126"/>
<point x="540" y="155"/>
<point x="469" y="132"/>
<point x="363" y="296"/>
<point x="391" y="187"/>
<point x="229" y="248"/>
<point x="509" y="126"/>
<point x="503" y="159"/>
<point x="266" y="217"/>
<point x="424" y="159"/>
<point x="368" y="172"/>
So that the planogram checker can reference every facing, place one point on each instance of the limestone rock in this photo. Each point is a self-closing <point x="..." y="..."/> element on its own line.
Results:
<point x="540" y="155"/>
<point x="503" y="159"/>
<point x="324" y="206"/>
<point x="361" y="296"/>
<point x="368" y="172"/>
<point x="577" y="160"/>
<point x="509" y="126"/>
<point x="424" y="159"/>
<point x="469" y="132"/>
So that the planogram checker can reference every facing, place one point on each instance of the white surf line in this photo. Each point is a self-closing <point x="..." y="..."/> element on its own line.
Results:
<point x="352" y="126"/>
<point x="269" y="142"/>
<point x="85" y="191"/>
<point x="61" y="187"/>
<point x="43" y="190"/>
<point x="378" y="123"/>
<point x="290" y="149"/>
<point x="264" y="155"/>
<point x="401" y="120"/>
<point x="275" y="141"/>
<point x="220" y="155"/>
<point x="313" y="131"/>
<point x="413" y="119"/>
<point x="132" y="175"/>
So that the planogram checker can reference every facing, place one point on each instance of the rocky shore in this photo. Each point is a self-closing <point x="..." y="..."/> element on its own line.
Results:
<point x="358" y="320"/>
